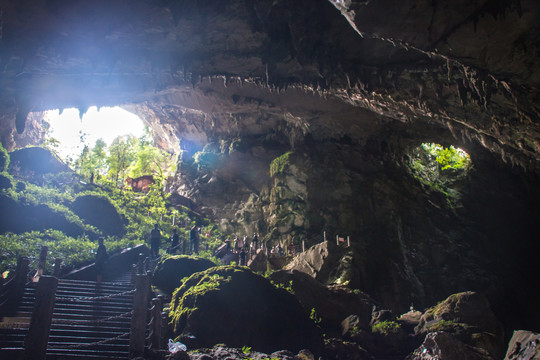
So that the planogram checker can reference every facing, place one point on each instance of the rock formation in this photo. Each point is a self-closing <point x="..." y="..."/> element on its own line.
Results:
<point x="295" y="118"/>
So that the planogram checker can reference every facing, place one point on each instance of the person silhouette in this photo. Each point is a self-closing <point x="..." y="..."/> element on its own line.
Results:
<point x="155" y="241"/>
<point x="101" y="258"/>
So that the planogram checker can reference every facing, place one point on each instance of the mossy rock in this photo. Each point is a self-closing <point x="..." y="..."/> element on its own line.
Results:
<point x="170" y="270"/>
<point x="469" y="318"/>
<point x="98" y="211"/>
<point x="19" y="218"/>
<point x="37" y="160"/>
<point x="233" y="305"/>
<point x="5" y="182"/>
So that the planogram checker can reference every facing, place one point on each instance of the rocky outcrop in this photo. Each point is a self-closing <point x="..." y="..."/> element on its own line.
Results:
<point x="468" y="317"/>
<point x="241" y="83"/>
<point x="171" y="270"/>
<point x="221" y="352"/>
<point x="524" y="345"/>
<point x="331" y="304"/>
<point x="443" y="346"/>
<point x="35" y="161"/>
<point x="319" y="261"/>
<point x="232" y="305"/>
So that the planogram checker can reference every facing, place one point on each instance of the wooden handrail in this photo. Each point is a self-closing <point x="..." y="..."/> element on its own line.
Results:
<point x="40" y="325"/>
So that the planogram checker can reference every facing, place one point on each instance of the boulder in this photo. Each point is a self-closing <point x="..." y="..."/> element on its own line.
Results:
<point x="36" y="160"/>
<point x="339" y="349"/>
<point x="469" y="318"/>
<point x="319" y="261"/>
<point x="524" y="345"/>
<point x="18" y="217"/>
<point x="234" y="306"/>
<point x="331" y="303"/>
<point x="259" y="263"/>
<point x="219" y="352"/>
<point x="444" y="346"/>
<point x="170" y="270"/>
<point x="98" y="211"/>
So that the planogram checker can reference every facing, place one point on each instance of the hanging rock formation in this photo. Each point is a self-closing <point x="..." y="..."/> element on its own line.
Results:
<point x="348" y="89"/>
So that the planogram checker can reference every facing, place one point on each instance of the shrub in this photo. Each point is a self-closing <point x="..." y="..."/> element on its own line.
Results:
<point x="4" y="158"/>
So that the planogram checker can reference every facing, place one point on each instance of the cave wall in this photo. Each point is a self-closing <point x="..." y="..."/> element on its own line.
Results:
<point x="350" y="87"/>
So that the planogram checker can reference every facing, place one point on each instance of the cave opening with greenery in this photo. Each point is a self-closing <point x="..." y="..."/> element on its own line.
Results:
<point x="440" y="168"/>
<point x="65" y="196"/>
<point x="308" y="123"/>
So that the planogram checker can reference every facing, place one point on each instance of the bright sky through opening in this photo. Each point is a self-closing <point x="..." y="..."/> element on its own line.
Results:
<point x="106" y="124"/>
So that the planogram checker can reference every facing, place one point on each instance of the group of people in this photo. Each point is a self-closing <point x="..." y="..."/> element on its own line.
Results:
<point x="243" y="247"/>
<point x="176" y="245"/>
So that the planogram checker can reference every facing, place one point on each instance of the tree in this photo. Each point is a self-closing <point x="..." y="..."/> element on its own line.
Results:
<point x="98" y="158"/>
<point x="152" y="161"/>
<point x="121" y="154"/>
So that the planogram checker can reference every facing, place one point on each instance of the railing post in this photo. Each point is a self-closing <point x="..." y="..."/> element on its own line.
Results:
<point x="138" y="319"/>
<point x="35" y="343"/>
<point x="140" y="264"/>
<point x="57" y="265"/>
<point x="42" y="262"/>
<point x="14" y="288"/>
<point x="133" y="273"/>
<point x="157" y="309"/>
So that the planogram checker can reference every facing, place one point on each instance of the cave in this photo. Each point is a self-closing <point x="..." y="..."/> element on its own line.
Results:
<point x="342" y="93"/>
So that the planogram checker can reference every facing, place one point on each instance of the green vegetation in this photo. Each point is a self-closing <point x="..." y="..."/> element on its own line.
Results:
<point x="445" y="325"/>
<point x="184" y="298"/>
<point x="313" y="316"/>
<point x="4" y="158"/>
<point x="55" y="194"/>
<point x="246" y="349"/>
<point x="127" y="156"/>
<point x="279" y="164"/>
<point x="386" y="327"/>
<point x="288" y="288"/>
<point x="440" y="168"/>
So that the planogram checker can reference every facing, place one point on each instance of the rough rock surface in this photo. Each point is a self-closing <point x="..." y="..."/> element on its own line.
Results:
<point x="319" y="261"/>
<point x="524" y="345"/>
<point x="232" y="305"/>
<point x="331" y="304"/>
<point x="351" y="87"/>
<point x="443" y="346"/>
<point x="222" y="352"/>
<point x="170" y="270"/>
<point x="469" y="318"/>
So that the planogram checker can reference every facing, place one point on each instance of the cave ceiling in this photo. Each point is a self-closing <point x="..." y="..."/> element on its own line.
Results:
<point x="458" y="72"/>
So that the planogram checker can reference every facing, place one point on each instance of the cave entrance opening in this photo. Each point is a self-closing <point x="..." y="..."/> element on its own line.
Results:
<point x="68" y="132"/>
<point x="440" y="168"/>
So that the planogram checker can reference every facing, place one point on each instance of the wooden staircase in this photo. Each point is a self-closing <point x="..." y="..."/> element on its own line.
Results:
<point x="90" y="321"/>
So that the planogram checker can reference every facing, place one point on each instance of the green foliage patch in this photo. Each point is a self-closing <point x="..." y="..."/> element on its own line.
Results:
<point x="440" y="168"/>
<point x="139" y="211"/>
<point x="279" y="164"/>
<point x="386" y="327"/>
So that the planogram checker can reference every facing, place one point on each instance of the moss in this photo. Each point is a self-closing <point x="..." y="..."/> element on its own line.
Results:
<point x="184" y="299"/>
<point x="279" y="164"/>
<point x="386" y="327"/>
